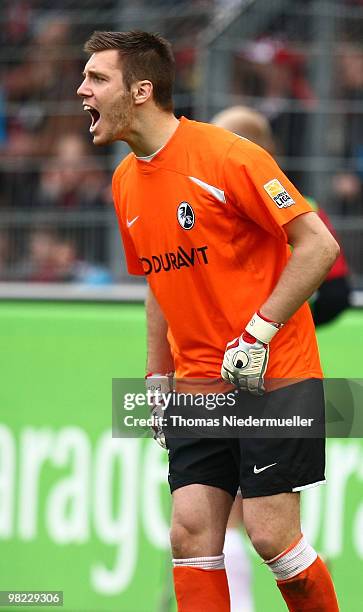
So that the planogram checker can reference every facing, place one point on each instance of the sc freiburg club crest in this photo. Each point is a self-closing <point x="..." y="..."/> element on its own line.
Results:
<point x="185" y="215"/>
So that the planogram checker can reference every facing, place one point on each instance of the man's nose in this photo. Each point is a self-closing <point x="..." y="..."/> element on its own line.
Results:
<point x="83" y="91"/>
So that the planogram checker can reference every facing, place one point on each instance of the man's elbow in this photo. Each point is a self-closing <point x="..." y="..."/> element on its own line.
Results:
<point x="331" y="251"/>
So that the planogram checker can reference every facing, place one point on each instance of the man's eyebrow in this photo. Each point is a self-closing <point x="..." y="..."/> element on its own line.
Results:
<point x="93" y="73"/>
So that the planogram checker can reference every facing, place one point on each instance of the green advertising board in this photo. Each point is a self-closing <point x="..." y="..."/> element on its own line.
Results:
<point x="88" y="514"/>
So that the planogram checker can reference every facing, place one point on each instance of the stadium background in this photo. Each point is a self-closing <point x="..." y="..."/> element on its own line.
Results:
<point x="79" y="511"/>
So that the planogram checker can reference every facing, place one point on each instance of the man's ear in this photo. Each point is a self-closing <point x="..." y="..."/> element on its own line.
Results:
<point x="141" y="91"/>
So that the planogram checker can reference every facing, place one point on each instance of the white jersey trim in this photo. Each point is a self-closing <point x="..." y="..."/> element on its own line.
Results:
<point x="217" y="193"/>
<point x="149" y="158"/>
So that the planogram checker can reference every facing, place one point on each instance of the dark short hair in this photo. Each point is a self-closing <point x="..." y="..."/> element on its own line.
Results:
<point x="143" y="56"/>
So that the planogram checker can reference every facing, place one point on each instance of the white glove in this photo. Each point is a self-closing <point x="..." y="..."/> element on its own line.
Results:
<point x="157" y="385"/>
<point x="246" y="357"/>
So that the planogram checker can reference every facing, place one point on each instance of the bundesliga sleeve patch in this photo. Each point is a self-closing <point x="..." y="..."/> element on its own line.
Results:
<point x="278" y="194"/>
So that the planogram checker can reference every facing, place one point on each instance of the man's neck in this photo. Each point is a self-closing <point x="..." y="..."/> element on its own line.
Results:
<point x="152" y="133"/>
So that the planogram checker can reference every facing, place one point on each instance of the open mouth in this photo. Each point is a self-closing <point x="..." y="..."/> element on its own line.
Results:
<point x="95" y="116"/>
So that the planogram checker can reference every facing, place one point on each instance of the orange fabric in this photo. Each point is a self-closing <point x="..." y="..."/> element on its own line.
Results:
<point x="199" y="590"/>
<point x="310" y="591"/>
<point x="210" y="277"/>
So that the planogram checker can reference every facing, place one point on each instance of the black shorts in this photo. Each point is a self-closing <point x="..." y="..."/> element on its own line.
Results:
<point x="259" y="466"/>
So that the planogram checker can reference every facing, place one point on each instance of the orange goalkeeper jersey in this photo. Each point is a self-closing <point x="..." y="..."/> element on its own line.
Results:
<point x="204" y="222"/>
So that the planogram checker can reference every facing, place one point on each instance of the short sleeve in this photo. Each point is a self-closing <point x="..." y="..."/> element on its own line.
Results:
<point x="132" y="261"/>
<point x="258" y="188"/>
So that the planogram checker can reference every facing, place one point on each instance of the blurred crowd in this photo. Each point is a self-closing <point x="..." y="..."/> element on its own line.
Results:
<point x="48" y="167"/>
<point x="273" y="75"/>
<point x="52" y="257"/>
<point x="47" y="163"/>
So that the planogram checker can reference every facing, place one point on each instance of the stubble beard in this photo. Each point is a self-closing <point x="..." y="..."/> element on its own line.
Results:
<point x="120" y="117"/>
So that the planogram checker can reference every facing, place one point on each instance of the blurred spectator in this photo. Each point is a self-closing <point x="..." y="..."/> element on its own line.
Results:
<point x="273" y="72"/>
<point x="16" y="15"/>
<point x="38" y="88"/>
<point x="46" y="77"/>
<point x="72" y="179"/>
<point x="348" y="184"/>
<point x="183" y="24"/>
<point x="333" y="295"/>
<point x="185" y="80"/>
<point x="38" y="264"/>
<point x="53" y="258"/>
<point x="70" y="268"/>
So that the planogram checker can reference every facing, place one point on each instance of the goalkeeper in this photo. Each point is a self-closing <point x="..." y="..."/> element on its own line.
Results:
<point x="208" y="218"/>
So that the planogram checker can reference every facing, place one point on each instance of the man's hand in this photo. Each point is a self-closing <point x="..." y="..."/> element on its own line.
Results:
<point x="246" y="357"/>
<point x="157" y="386"/>
<point x="245" y="362"/>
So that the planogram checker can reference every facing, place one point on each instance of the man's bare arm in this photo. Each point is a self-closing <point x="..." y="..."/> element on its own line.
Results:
<point x="314" y="252"/>
<point x="159" y="358"/>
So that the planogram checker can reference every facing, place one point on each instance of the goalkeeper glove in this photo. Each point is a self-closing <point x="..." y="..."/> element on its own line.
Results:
<point x="157" y="385"/>
<point x="246" y="358"/>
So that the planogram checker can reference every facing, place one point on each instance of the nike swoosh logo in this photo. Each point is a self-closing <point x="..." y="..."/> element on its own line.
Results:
<point x="130" y="223"/>
<point x="257" y="470"/>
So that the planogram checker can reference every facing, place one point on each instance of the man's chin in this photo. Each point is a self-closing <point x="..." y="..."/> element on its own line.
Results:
<point x="105" y="138"/>
<point x="99" y="140"/>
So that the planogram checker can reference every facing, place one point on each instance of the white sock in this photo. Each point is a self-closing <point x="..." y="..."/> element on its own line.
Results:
<point x="238" y="570"/>
<point x="292" y="562"/>
<point x="207" y="563"/>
